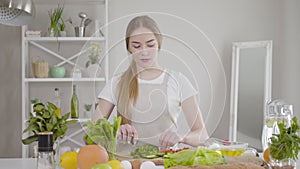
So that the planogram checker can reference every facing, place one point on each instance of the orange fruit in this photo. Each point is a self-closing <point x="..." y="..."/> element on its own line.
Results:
<point x="90" y="155"/>
<point x="267" y="155"/>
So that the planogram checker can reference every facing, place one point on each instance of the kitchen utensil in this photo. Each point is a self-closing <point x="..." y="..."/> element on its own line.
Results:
<point x="87" y="22"/>
<point x="124" y="149"/>
<point x="229" y="148"/>
<point x="16" y="13"/>
<point x="277" y="111"/>
<point x="79" y="31"/>
<point x="83" y="16"/>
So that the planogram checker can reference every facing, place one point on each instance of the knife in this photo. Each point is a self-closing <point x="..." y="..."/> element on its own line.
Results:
<point x="124" y="149"/>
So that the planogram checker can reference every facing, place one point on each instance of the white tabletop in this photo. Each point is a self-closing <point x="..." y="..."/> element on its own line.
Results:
<point x="18" y="163"/>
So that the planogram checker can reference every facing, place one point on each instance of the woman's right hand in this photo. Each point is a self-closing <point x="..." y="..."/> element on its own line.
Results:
<point x="127" y="134"/>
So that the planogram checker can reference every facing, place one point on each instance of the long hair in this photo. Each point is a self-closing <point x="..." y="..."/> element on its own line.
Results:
<point x="127" y="89"/>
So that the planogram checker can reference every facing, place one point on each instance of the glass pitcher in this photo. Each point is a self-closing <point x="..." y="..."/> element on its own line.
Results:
<point x="277" y="110"/>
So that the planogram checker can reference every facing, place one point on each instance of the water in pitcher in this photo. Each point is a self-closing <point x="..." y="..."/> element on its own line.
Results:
<point x="277" y="111"/>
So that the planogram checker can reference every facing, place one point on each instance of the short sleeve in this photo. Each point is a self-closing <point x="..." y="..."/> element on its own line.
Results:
<point x="186" y="88"/>
<point x="108" y="92"/>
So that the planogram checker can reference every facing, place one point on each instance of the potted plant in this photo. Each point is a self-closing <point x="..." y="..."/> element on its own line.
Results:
<point x="88" y="108"/>
<point x="284" y="146"/>
<point x="46" y="119"/>
<point x="94" y="53"/>
<point x="33" y="102"/>
<point x="55" y="16"/>
<point x="62" y="29"/>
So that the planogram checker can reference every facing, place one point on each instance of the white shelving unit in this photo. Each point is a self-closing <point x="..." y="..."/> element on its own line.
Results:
<point x="47" y="46"/>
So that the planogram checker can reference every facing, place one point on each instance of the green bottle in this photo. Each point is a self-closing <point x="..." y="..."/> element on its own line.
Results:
<point x="74" y="104"/>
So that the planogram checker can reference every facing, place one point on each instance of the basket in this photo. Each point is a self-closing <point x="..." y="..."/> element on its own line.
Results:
<point x="40" y="69"/>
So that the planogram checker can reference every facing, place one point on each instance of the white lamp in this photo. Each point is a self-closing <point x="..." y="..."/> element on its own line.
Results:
<point x="16" y="12"/>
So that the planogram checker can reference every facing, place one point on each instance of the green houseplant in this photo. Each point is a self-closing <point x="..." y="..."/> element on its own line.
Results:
<point x="46" y="118"/>
<point x="88" y="110"/>
<point x="284" y="146"/>
<point x="56" y="21"/>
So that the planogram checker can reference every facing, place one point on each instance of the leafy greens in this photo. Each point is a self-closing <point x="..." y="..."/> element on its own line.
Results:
<point x="285" y="144"/>
<point x="200" y="156"/>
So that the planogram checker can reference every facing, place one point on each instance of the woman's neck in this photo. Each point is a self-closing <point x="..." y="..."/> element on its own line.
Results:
<point x="150" y="73"/>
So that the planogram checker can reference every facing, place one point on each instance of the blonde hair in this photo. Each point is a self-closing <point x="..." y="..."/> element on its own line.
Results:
<point x="127" y="89"/>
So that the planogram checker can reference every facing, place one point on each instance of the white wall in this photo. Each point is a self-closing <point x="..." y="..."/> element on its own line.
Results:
<point x="223" y="22"/>
<point x="10" y="91"/>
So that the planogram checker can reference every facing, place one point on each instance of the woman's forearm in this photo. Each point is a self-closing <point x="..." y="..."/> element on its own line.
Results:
<point x="103" y="109"/>
<point x="193" y="115"/>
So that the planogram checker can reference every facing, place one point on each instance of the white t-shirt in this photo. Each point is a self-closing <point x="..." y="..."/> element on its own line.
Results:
<point x="179" y="89"/>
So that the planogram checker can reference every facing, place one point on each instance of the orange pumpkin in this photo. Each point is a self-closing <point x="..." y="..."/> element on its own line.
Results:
<point x="90" y="155"/>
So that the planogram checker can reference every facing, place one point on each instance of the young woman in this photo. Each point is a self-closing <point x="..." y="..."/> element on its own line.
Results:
<point x="150" y="98"/>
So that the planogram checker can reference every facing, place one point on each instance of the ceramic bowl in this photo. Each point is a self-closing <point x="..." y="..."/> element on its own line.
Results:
<point x="57" y="72"/>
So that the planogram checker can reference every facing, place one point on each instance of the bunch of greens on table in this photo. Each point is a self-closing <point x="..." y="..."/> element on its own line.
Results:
<point x="200" y="156"/>
<point x="146" y="151"/>
<point x="47" y="118"/>
<point x="285" y="145"/>
<point x="103" y="133"/>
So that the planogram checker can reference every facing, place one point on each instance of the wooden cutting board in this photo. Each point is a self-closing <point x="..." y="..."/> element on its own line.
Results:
<point x="241" y="162"/>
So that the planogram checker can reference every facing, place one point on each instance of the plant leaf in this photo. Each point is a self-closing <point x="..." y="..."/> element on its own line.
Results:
<point x="30" y="139"/>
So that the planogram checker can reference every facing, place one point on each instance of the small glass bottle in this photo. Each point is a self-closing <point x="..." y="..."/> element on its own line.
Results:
<point x="45" y="151"/>
<point x="74" y="104"/>
<point x="57" y="102"/>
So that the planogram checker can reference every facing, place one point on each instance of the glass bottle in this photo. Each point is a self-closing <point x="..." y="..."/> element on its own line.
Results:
<point x="57" y="102"/>
<point x="277" y="111"/>
<point x="74" y="104"/>
<point x="45" y="151"/>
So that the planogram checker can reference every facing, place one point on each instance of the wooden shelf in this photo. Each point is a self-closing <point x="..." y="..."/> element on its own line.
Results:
<point x="64" y="79"/>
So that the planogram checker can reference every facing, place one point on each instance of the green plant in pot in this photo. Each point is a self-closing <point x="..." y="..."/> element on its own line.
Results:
<point x="88" y="110"/>
<point x="46" y="119"/>
<point x="55" y="16"/>
<point x="62" y="27"/>
<point x="284" y="146"/>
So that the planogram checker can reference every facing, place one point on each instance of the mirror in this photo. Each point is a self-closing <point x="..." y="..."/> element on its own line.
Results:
<point x="250" y="90"/>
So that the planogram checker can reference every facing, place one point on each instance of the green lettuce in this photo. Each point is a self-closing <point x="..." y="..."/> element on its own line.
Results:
<point x="200" y="156"/>
<point x="204" y="156"/>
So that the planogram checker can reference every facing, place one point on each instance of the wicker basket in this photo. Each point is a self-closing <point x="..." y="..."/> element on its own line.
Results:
<point x="40" y="69"/>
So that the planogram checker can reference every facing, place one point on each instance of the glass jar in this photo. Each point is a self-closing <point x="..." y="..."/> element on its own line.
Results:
<point x="283" y="164"/>
<point x="277" y="111"/>
<point x="76" y="73"/>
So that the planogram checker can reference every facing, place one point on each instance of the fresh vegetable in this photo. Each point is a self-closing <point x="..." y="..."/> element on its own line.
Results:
<point x="103" y="133"/>
<point x="200" y="156"/>
<point x="208" y="157"/>
<point x="285" y="145"/>
<point x="146" y="151"/>
<point x="46" y="120"/>
<point x="170" y="150"/>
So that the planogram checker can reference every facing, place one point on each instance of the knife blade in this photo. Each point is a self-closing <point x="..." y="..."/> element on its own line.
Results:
<point x="124" y="149"/>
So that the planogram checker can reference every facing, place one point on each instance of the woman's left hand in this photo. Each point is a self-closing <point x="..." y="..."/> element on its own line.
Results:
<point x="169" y="139"/>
